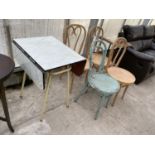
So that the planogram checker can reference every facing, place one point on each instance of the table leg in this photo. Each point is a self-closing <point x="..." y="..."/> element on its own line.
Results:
<point x="72" y="81"/>
<point x="5" y="107"/>
<point x="126" y="87"/>
<point x="23" y="83"/>
<point x="49" y="78"/>
<point x="68" y="88"/>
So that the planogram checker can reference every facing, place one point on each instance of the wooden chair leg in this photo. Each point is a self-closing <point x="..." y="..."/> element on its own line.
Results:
<point x="125" y="89"/>
<point x="115" y="97"/>
<point x="86" y="75"/>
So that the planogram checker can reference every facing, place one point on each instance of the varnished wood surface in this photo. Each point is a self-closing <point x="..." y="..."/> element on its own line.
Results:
<point x="96" y="60"/>
<point x="6" y="67"/>
<point x="121" y="75"/>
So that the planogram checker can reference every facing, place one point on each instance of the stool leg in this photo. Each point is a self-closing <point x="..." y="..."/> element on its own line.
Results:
<point x="23" y="83"/>
<point x="126" y="87"/>
<point x="5" y="107"/>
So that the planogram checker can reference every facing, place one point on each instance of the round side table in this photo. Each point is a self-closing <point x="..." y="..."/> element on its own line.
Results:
<point x="6" y="68"/>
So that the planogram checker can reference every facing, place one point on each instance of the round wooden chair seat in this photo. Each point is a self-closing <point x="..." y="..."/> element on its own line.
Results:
<point x="97" y="59"/>
<point x="121" y="75"/>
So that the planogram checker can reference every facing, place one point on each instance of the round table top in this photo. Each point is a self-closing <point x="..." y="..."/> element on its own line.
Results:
<point x="6" y="67"/>
<point x="121" y="75"/>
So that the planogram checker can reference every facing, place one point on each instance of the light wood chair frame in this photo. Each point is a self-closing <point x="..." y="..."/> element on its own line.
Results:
<point x="79" y="32"/>
<point x="93" y="34"/>
<point x="116" y="53"/>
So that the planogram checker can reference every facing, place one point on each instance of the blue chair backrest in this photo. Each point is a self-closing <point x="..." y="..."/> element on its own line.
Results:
<point x="97" y="45"/>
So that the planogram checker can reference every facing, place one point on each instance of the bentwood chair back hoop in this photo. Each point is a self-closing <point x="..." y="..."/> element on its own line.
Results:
<point x="117" y="52"/>
<point x="97" y="45"/>
<point x="99" y="80"/>
<point x="74" y="36"/>
<point x="93" y="34"/>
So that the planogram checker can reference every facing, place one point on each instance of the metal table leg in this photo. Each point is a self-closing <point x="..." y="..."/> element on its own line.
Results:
<point x="23" y="83"/>
<point x="49" y="78"/>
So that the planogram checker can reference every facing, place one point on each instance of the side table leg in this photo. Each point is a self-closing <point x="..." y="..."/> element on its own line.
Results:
<point x="5" y="107"/>
<point x="23" y="83"/>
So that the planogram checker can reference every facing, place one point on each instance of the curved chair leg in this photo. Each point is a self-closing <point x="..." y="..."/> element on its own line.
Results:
<point x="126" y="87"/>
<point x="114" y="100"/>
<point x="98" y="109"/>
<point x="83" y="90"/>
<point x="103" y="99"/>
<point x="115" y="97"/>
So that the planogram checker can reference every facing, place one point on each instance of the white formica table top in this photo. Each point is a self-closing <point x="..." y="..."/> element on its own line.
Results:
<point x="48" y="52"/>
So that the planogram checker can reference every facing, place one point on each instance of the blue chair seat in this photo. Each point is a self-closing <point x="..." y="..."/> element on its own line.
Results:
<point x="104" y="83"/>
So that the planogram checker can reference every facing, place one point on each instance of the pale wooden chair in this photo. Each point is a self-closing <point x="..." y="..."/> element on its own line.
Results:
<point x="74" y="36"/>
<point x="116" y="54"/>
<point x="94" y="33"/>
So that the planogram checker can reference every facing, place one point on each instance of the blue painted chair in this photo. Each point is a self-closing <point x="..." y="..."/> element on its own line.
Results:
<point x="99" y="80"/>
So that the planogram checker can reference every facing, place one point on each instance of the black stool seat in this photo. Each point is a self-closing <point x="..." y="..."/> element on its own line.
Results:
<point x="6" y="68"/>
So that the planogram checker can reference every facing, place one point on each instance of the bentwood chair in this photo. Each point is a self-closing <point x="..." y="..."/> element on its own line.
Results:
<point x="74" y="36"/>
<point x="124" y="77"/>
<point x="99" y="79"/>
<point x="96" y="32"/>
<point x="93" y="34"/>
